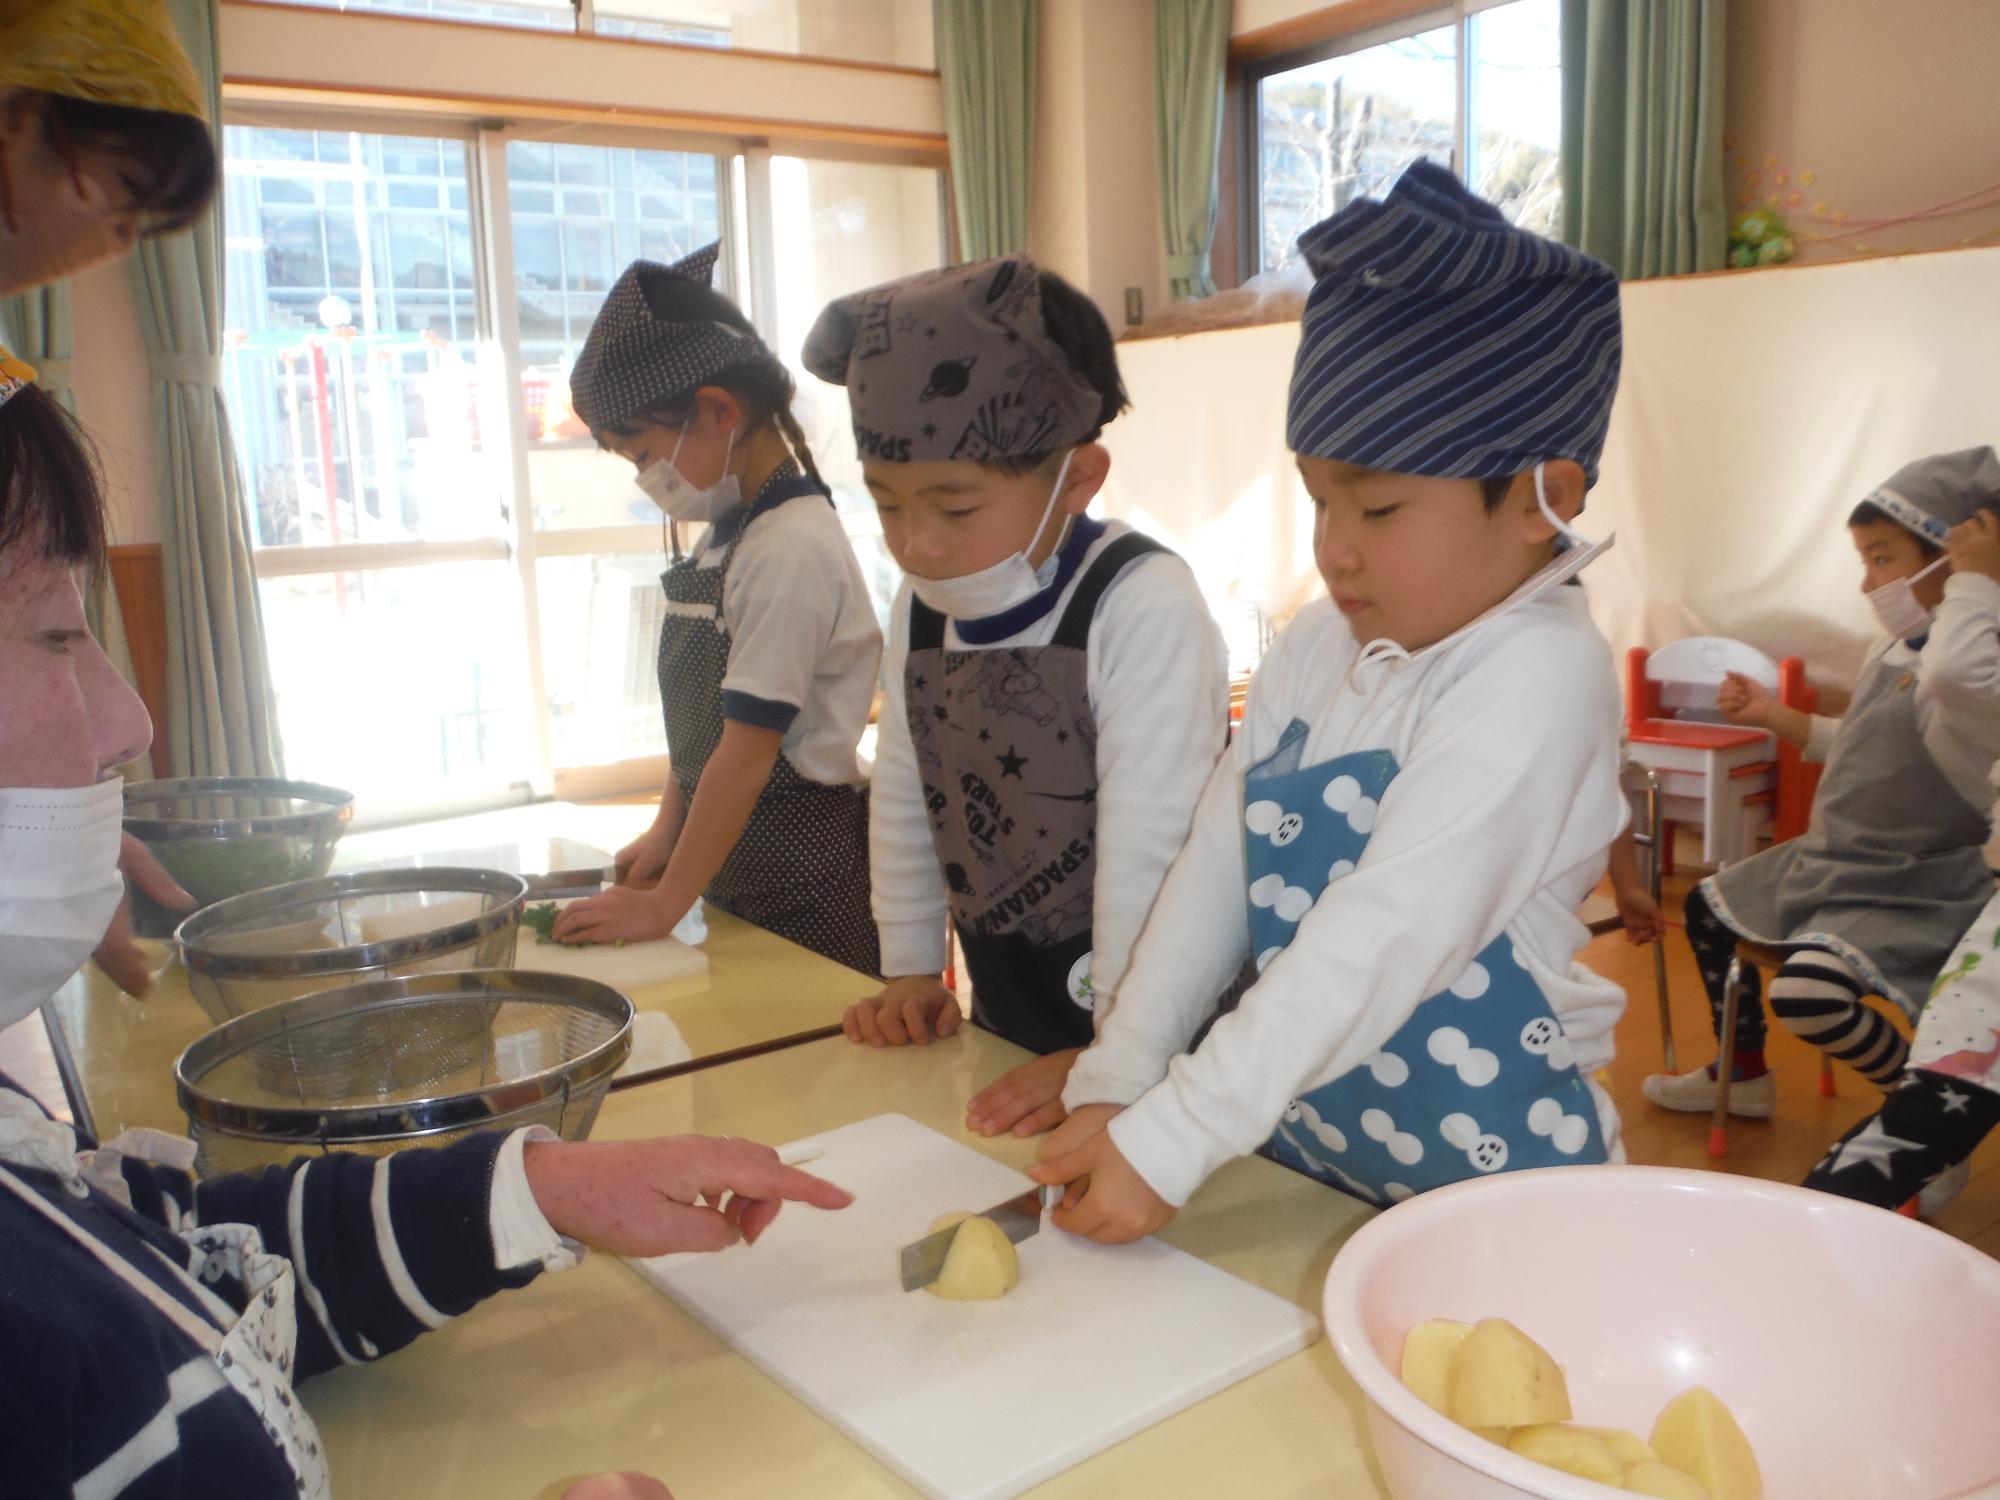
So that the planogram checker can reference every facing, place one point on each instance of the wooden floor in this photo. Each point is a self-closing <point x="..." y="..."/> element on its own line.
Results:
<point x="1781" y="1149"/>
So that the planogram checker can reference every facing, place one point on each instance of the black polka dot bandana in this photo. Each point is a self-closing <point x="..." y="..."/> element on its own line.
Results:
<point x="663" y="331"/>
<point x="954" y="364"/>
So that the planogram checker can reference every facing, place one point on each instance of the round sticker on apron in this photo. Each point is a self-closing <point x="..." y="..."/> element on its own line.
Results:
<point x="1079" y="984"/>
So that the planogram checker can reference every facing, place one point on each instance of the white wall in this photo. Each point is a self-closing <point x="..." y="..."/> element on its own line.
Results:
<point x="1889" y="107"/>
<point x="1094" y="201"/>
<point x="114" y="397"/>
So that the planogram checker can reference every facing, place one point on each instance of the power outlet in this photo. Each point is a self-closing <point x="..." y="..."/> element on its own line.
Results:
<point x="1135" y="306"/>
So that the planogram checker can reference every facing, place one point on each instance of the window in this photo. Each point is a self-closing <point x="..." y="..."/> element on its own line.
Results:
<point x="462" y="600"/>
<point x="1476" y="87"/>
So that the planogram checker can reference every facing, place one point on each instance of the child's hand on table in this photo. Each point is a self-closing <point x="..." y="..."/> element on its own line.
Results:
<point x="911" y="1009"/>
<point x="675" y="1193"/>
<point x="1974" y="545"/>
<point x="617" y="915"/>
<point x="1025" y="1100"/>
<point x="1743" y="700"/>
<point x="1107" y="1200"/>
<point x="124" y="961"/>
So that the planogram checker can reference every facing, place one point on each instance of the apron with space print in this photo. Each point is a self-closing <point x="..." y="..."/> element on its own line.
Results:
<point x="1480" y="1078"/>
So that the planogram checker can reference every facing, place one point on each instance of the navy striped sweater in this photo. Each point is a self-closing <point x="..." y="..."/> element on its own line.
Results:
<point x="381" y="1248"/>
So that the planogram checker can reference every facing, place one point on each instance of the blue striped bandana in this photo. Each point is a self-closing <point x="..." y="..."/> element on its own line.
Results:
<point x="1441" y="340"/>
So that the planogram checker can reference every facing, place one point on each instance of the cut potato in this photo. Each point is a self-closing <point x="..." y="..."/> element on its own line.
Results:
<point x="1502" y="1378"/>
<point x="1663" y="1482"/>
<point x="1697" y="1435"/>
<point x="1627" y="1447"/>
<point x="1574" y="1450"/>
<point x="1427" y="1352"/>
<point x="980" y="1265"/>
<point x="1495" y="1435"/>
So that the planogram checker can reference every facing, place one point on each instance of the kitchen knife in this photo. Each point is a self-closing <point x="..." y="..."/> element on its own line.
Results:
<point x="560" y="885"/>
<point x="1017" y="1218"/>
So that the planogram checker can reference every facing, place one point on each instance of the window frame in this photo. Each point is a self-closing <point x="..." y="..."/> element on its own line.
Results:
<point x="748" y="271"/>
<point x="1250" y="68"/>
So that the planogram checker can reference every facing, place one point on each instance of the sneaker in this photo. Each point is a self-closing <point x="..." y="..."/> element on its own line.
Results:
<point x="1942" y="1190"/>
<point x="1694" y="1094"/>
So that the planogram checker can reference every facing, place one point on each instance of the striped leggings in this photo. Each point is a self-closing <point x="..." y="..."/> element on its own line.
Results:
<point x="1817" y="995"/>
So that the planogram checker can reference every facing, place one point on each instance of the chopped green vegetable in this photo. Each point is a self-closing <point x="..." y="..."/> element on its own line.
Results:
<point x="543" y="920"/>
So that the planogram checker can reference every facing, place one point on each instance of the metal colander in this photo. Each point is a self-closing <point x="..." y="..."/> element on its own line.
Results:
<point x="259" y="949"/>
<point x="420" y="1061"/>
<point x="221" y="836"/>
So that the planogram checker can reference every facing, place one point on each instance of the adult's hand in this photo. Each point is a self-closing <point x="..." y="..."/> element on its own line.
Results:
<point x="120" y="955"/>
<point x="684" y="1192"/>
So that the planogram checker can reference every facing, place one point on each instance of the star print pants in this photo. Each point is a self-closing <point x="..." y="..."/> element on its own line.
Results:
<point x="1817" y="995"/>
<point x="1927" y="1125"/>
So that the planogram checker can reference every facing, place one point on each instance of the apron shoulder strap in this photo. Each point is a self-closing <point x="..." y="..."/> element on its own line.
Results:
<point x="926" y="626"/>
<point x="1073" y="630"/>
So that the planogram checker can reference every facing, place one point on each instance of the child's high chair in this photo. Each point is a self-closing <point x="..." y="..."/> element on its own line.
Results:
<point x="1740" y="784"/>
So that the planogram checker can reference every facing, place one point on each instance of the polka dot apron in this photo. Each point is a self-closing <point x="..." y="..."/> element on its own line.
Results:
<point x="1480" y="1078"/>
<point x="800" y="868"/>
<point x="253" y="1346"/>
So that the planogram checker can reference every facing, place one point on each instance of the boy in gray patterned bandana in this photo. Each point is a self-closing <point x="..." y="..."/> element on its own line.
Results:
<point x="1056" y="688"/>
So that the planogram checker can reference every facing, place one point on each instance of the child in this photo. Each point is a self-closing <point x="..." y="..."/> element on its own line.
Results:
<point x="1949" y="1097"/>
<point x="769" y="648"/>
<point x="1425" y="783"/>
<point x="1056" y="690"/>
<point x="1890" y="871"/>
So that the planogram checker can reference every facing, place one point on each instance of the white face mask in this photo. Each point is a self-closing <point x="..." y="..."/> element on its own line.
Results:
<point x="669" y="489"/>
<point x="59" y="885"/>
<point x="1896" y="607"/>
<point x="1008" y="582"/>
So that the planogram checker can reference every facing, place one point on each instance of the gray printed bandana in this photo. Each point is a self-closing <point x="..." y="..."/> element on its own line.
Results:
<point x="953" y="364"/>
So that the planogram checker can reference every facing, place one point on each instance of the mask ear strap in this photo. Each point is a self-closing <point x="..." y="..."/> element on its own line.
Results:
<point x="1563" y="528"/>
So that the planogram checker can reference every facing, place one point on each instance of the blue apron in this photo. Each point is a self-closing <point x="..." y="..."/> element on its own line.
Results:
<point x="1480" y="1079"/>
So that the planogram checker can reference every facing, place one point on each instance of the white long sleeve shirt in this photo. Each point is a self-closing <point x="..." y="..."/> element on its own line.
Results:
<point x="1159" y="690"/>
<point x="1498" y="821"/>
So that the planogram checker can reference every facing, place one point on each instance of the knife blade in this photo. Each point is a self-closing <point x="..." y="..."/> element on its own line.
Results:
<point x="560" y="885"/>
<point x="1019" y="1217"/>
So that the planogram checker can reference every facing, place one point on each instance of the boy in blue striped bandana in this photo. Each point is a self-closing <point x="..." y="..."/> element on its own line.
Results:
<point x="1425" y="785"/>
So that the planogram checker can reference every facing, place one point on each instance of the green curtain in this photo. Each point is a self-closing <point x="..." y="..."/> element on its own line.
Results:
<point x="1190" y="54"/>
<point x="221" y="720"/>
<point x="986" y="60"/>
<point x="1642" y="134"/>
<point x="36" y="326"/>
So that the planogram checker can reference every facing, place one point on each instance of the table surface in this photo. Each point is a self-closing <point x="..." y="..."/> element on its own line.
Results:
<point x="593" y="1369"/>
<point x="759" y="988"/>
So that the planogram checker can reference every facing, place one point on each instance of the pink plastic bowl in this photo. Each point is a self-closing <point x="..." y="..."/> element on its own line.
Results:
<point x="1860" y="1350"/>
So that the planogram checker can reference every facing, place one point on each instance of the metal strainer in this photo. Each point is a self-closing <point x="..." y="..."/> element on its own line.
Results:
<point x="273" y="945"/>
<point x="391" y="1063"/>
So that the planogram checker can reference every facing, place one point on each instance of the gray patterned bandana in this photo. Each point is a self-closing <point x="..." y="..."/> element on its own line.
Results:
<point x="662" y="332"/>
<point x="953" y="364"/>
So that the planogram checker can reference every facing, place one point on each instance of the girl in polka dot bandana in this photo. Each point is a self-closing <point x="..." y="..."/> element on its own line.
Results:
<point x="769" y="647"/>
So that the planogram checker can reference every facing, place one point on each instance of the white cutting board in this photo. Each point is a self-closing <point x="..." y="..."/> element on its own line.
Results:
<point x="973" y="1400"/>
<point x="656" y="961"/>
<point x="625" y="969"/>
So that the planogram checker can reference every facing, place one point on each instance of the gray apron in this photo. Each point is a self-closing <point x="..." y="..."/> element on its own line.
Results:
<point x="1890" y="872"/>
<point x="1006" y="748"/>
